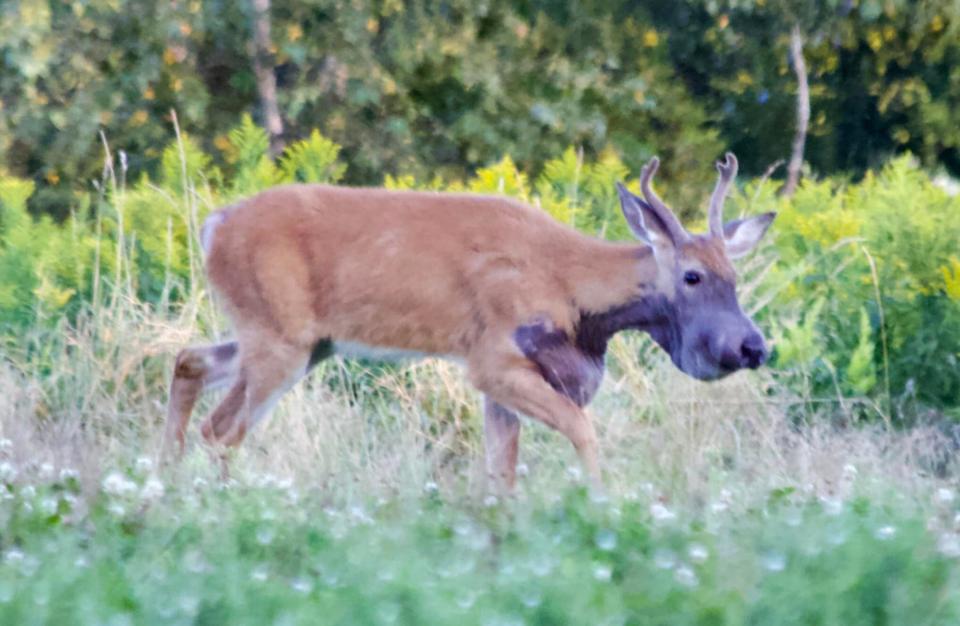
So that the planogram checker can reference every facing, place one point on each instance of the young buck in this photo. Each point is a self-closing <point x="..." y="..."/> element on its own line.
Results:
<point x="526" y="303"/>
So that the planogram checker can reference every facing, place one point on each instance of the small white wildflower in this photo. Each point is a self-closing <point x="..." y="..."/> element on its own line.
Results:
<point x="430" y="487"/>
<point x="388" y="612"/>
<point x="794" y="517"/>
<point x="152" y="489"/>
<point x="259" y="573"/>
<point x="265" y="536"/>
<point x="360" y="515"/>
<point x="606" y="539"/>
<point x="686" y="576"/>
<point x="13" y="555"/>
<point x="949" y="545"/>
<point x="195" y="562"/>
<point x="68" y="473"/>
<point x="698" y="553"/>
<point x="28" y="492"/>
<point x="387" y="575"/>
<point x="885" y="532"/>
<point x="774" y="561"/>
<point x="837" y="536"/>
<point x="531" y="598"/>
<point x="117" y="509"/>
<point x="467" y="600"/>
<point x="574" y="473"/>
<point x="598" y="496"/>
<point x="81" y="562"/>
<point x="849" y="471"/>
<point x="189" y="604"/>
<point x="199" y="483"/>
<point x="8" y="472"/>
<point x="46" y="471"/>
<point x="602" y="572"/>
<point x="719" y="506"/>
<point x="945" y="496"/>
<point x="490" y="501"/>
<point x="116" y="484"/>
<point x="5" y="445"/>
<point x="522" y="469"/>
<point x="48" y="506"/>
<point x="956" y="520"/>
<point x="832" y="506"/>
<point x="301" y="585"/>
<point x="541" y="566"/>
<point x="144" y="464"/>
<point x="661" y="514"/>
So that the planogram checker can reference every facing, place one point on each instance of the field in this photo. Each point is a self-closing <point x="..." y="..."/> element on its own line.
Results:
<point x="363" y="500"/>
<point x="820" y="490"/>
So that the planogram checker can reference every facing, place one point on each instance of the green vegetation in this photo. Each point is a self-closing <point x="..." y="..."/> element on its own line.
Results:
<point x="820" y="490"/>
<point x="266" y="553"/>
<point x="422" y="88"/>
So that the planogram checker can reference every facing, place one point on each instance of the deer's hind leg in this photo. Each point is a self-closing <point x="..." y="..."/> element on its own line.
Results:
<point x="268" y="369"/>
<point x="197" y="369"/>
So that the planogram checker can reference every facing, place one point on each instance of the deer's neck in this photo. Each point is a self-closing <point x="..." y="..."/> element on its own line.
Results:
<point x="615" y="289"/>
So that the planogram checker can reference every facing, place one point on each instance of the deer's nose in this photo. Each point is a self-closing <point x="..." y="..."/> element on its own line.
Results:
<point x="753" y="351"/>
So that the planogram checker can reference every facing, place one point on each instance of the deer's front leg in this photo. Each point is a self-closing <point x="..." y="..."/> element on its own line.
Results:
<point x="568" y="369"/>
<point x="501" y="433"/>
<point x="512" y="380"/>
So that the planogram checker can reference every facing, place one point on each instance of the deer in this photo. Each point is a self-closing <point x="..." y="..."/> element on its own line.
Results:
<point x="526" y="303"/>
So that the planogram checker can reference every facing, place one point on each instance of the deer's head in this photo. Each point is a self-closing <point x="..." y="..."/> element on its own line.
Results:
<point x="704" y="330"/>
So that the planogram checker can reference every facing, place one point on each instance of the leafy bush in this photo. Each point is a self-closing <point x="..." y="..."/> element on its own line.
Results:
<point x="866" y="295"/>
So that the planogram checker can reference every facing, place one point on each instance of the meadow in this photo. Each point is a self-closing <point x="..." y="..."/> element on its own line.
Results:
<point x="821" y="490"/>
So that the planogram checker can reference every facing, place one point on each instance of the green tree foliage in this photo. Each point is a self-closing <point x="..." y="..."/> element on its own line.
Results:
<point x="444" y="88"/>
<point x="883" y="77"/>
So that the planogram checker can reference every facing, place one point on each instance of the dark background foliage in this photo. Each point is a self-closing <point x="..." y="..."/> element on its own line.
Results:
<point x="440" y="88"/>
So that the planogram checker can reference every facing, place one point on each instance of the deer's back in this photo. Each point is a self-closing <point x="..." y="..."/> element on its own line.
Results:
<point x="411" y="270"/>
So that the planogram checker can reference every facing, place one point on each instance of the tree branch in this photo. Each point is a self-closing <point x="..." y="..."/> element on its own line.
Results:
<point x="803" y="112"/>
<point x="263" y="69"/>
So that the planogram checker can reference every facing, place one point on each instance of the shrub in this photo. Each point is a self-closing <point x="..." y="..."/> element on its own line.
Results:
<point x="866" y="288"/>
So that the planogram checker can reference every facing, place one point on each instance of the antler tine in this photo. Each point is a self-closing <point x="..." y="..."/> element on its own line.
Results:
<point x="670" y="221"/>
<point x="728" y="171"/>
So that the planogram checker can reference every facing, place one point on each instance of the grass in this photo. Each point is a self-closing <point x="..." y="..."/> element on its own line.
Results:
<point x="363" y="501"/>
<point x="269" y="551"/>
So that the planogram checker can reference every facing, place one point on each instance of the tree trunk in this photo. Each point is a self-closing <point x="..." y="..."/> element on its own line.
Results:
<point x="803" y="113"/>
<point x="263" y="69"/>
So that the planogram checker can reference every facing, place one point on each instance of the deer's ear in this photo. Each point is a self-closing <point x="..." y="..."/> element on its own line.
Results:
<point x="644" y="222"/>
<point x="742" y="236"/>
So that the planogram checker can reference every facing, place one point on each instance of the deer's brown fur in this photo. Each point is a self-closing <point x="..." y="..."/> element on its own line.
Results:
<point x="305" y="269"/>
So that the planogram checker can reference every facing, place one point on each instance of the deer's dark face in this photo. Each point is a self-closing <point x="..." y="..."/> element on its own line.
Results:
<point x="712" y="335"/>
<point x="703" y="329"/>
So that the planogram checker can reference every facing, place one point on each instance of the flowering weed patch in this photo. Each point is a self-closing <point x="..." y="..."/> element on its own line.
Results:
<point x="261" y="553"/>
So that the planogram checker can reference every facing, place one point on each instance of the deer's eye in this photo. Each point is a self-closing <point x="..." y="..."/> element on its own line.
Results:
<point x="692" y="278"/>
